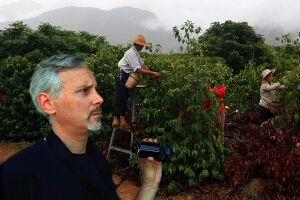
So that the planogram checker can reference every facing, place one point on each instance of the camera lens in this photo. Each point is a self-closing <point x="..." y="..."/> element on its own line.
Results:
<point x="161" y="152"/>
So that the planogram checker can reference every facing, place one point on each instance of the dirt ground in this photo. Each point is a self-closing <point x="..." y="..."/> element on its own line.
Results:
<point x="128" y="188"/>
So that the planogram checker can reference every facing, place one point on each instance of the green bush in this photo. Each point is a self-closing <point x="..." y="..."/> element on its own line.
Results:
<point x="172" y="112"/>
<point x="20" y="120"/>
<point x="21" y="49"/>
<point x="19" y="39"/>
<point x="243" y="89"/>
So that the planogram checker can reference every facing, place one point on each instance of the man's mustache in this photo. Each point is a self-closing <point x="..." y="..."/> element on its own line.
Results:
<point x="97" y="109"/>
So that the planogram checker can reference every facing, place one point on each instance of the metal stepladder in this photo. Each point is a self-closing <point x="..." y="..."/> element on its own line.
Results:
<point x="133" y="92"/>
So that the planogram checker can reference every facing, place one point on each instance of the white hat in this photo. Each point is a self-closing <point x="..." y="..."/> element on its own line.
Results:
<point x="266" y="72"/>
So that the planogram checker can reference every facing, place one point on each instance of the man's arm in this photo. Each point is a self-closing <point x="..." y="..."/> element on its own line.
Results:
<point x="145" y="70"/>
<point x="151" y="176"/>
<point x="145" y="67"/>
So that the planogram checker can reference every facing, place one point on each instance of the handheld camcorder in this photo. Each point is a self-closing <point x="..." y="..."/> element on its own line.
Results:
<point x="161" y="152"/>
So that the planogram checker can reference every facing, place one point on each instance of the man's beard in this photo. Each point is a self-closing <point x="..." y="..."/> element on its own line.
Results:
<point x="94" y="126"/>
<point x="97" y="125"/>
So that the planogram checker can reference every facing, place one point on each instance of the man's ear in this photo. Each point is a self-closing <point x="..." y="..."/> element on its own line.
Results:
<point x="44" y="100"/>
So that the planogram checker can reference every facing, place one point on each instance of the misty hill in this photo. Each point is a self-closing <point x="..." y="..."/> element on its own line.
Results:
<point x="118" y="25"/>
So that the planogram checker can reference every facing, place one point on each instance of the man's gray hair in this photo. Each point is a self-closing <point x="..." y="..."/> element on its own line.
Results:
<point x="45" y="78"/>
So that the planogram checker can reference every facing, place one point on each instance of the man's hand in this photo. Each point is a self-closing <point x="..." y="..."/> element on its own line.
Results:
<point x="151" y="176"/>
<point x="151" y="171"/>
<point x="155" y="74"/>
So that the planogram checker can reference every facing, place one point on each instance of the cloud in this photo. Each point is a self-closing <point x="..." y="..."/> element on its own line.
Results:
<point x="282" y="15"/>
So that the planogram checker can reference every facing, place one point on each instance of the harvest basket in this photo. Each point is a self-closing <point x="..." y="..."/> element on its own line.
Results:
<point x="133" y="80"/>
<point x="275" y="107"/>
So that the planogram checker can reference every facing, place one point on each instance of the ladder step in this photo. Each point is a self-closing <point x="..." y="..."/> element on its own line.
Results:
<point x="128" y="130"/>
<point x="120" y="149"/>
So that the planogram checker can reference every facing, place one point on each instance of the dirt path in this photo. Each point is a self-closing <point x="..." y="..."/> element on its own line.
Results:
<point x="7" y="150"/>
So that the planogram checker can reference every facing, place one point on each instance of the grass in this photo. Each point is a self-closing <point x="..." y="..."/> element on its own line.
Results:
<point x="249" y="191"/>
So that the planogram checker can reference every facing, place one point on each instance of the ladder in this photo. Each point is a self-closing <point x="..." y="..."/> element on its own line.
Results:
<point x="133" y="92"/>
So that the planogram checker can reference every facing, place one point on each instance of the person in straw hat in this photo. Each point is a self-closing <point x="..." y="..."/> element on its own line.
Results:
<point x="131" y="62"/>
<point x="268" y="94"/>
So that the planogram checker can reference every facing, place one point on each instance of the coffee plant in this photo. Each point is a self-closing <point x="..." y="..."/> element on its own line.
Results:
<point x="172" y="112"/>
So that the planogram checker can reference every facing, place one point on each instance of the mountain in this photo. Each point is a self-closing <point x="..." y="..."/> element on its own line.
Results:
<point x="118" y="25"/>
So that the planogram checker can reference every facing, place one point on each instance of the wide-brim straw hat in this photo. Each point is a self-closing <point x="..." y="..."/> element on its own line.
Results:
<point x="139" y="39"/>
<point x="266" y="72"/>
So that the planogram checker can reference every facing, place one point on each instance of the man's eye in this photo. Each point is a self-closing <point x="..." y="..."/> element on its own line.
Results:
<point x="83" y="90"/>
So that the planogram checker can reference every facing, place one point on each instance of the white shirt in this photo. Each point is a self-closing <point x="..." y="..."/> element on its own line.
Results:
<point x="268" y="93"/>
<point x="131" y="61"/>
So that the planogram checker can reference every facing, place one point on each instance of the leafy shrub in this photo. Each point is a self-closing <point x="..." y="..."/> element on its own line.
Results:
<point x="18" y="114"/>
<point x="243" y="89"/>
<point x="19" y="39"/>
<point x="172" y="112"/>
<point x="21" y="49"/>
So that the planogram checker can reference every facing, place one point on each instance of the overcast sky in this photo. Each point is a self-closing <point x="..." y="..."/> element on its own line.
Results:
<point x="270" y="13"/>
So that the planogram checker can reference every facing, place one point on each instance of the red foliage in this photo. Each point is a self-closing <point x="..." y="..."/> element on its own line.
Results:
<point x="262" y="151"/>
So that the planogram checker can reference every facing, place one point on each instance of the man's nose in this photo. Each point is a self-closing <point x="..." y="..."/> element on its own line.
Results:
<point x="98" y="99"/>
